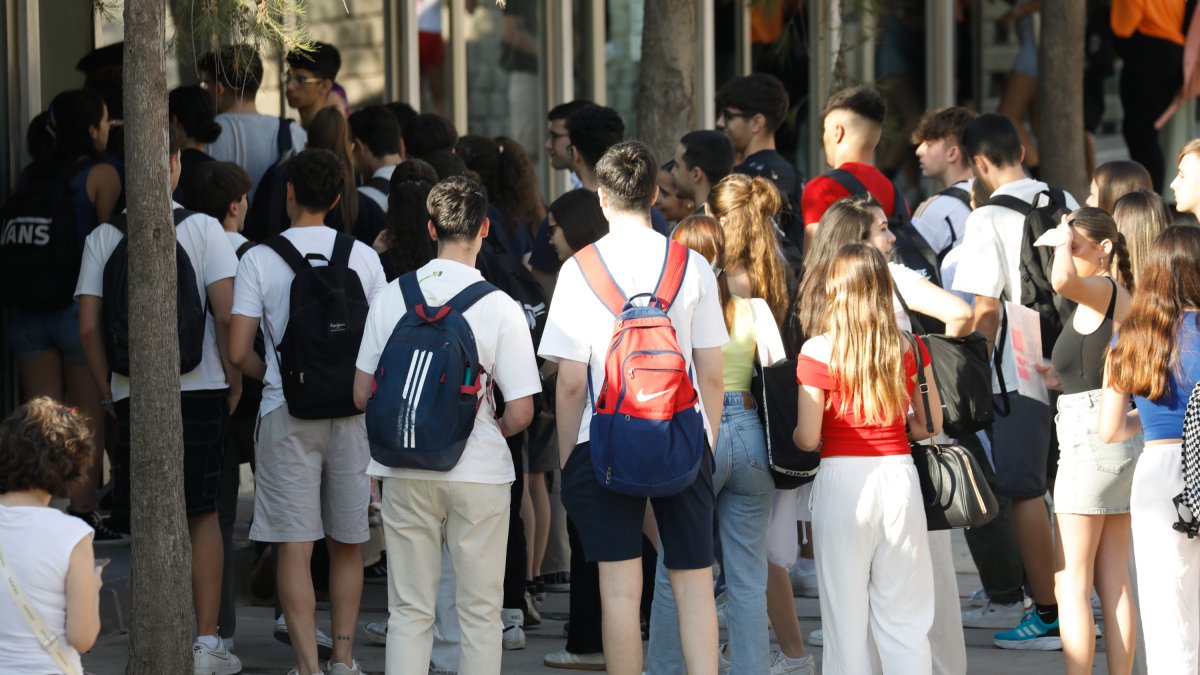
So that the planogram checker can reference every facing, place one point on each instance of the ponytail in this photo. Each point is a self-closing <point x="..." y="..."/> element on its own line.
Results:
<point x="746" y="208"/>
<point x="1120" y="256"/>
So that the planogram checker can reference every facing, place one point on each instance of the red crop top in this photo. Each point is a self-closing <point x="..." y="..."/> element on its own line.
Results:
<point x="848" y="436"/>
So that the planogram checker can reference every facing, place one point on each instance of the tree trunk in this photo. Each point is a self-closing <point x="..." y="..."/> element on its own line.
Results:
<point x="666" y="95"/>
<point x="1060" y="96"/>
<point x="162" y="618"/>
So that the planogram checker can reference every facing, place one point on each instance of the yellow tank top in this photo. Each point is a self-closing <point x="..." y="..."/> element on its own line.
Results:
<point x="738" y="353"/>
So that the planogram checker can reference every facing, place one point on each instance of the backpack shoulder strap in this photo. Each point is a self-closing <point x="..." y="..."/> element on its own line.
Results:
<point x="120" y="221"/>
<point x="246" y="246"/>
<point x="957" y="193"/>
<point x="288" y="252"/>
<point x="380" y="183"/>
<point x="848" y="181"/>
<point x="671" y="279"/>
<point x="1010" y="202"/>
<point x="1057" y="197"/>
<point x="599" y="279"/>
<point x="283" y="138"/>
<point x="343" y="244"/>
<point x="470" y="295"/>
<point x="899" y="203"/>
<point x="181" y="214"/>
<point x="411" y="290"/>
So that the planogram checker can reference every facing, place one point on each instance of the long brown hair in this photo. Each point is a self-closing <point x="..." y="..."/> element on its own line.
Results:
<point x="1146" y="350"/>
<point x="1096" y="225"/>
<point x="517" y="194"/>
<point x="866" y="346"/>
<point x="329" y="130"/>
<point x="845" y="221"/>
<point x="1118" y="178"/>
<point x="1140" y="217"/>
<point x="703" y="234"/>
<point x="746" y="208"/>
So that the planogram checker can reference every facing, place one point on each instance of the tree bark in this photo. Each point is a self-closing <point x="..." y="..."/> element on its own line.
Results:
<point x="162" y="618"/>
<point x="666" y="94"/>
<point x="1060" y="96"/>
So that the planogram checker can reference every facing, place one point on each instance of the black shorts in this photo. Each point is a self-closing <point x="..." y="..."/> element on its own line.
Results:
<point x="610" y="524"/>
<point x="205" y="422"/>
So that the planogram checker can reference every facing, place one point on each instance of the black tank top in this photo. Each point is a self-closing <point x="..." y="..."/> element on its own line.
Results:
<point x="1079" y="359"/>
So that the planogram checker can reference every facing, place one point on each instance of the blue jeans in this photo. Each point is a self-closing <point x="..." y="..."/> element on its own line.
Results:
<point x="744" y="488"/>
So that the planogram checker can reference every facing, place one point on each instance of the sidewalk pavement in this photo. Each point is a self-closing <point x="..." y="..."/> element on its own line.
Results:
<point x="262" y="655"/>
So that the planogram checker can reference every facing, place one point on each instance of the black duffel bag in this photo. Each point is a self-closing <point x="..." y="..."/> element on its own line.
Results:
<point x="953" y="488"/>
<point x="775" y="391"/>
<point x="963" y="375"/>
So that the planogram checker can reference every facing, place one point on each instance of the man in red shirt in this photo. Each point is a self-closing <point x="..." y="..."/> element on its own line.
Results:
<point x="852" y="126"/>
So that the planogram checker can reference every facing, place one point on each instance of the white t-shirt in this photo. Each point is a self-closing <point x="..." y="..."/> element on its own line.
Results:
<point x="212" y="258"/>
<point x="236" y="240"/>
<point x="41" y="571"/>
<point x="991" y="249"/>
<point x="263" y="289"/>
<point x="369" y="191"/>
<point x="904" y="279"/>
<point x="580" y="327"/>
<point x="941" y="220"/>
<point x="505" y="355"/>
<point x="248" y="140"/>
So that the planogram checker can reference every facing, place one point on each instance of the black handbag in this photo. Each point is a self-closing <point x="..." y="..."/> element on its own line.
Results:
<point x="775" y="391"/>
<point x="963" y="376"/>
<point x="953" y="488"/>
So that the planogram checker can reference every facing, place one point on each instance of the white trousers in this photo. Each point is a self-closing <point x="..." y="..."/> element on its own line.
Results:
<point x="873" y="565"/>
<point x="471" y="520"/>
<point x="1168" y="565"/>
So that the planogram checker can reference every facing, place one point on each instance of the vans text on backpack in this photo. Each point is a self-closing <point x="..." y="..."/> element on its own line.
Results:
<point x="647" y="433"/>
<point x="192" y="309"/>
<point x="39" y="245"/>
<point x="427" y="383"/>
<point x="328" y="314"/>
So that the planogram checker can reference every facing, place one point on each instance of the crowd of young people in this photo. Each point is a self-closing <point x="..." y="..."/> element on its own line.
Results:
<point x="413" y="218"/>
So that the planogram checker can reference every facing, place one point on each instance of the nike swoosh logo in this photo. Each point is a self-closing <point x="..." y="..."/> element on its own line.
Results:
<point x="642" y="396"/>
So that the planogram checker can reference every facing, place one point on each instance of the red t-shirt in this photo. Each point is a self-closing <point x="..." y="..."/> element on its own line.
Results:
<point x="822" y="191"/>
<point x="848" y="436"/>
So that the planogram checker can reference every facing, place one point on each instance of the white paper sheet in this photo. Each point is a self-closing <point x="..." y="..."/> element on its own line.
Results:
<point x="1025" y="336"/>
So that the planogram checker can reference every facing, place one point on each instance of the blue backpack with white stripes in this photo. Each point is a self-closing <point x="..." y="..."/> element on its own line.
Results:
<point x="426" y="390"/>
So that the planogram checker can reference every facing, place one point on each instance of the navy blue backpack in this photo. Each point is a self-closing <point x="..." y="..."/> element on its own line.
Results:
<point x="427" y="383"/>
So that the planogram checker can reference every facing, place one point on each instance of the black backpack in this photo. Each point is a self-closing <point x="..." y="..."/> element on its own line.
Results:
<point x="1037" y="261"/>
<point x="268" y="213"/>
<point x="320" y="344"/>
<point x="39" y="245"/>
<point x="910" y="249"/>
<point x="192" y="310"/>
<point x="247" y="407"/>
<point x="502" y="269"/>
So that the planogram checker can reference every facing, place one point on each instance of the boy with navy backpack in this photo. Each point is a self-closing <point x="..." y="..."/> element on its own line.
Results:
<point x="309" y="288"/>
<point x="438" y="344"/>
<point x="636" y="329"/>
<point x="205" y="264"/>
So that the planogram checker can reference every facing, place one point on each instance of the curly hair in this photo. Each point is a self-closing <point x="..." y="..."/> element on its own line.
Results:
<point x="44" y="445"/>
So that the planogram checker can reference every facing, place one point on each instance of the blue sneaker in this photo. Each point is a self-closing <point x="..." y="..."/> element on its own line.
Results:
<point x="1032" y="634"/>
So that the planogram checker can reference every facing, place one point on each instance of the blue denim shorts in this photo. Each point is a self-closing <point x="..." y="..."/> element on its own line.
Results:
<point x="32" y="332"/>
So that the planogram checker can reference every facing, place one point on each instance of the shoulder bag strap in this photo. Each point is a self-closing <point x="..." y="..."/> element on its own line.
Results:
<point x="997" y="359"/>
<point x="599" y="279"/>
<point x="49" y="641"/>
<point x="916" y="323"/>
<point x="848" y="180"/>
<point x="922" y="384"/>
<point x="671" y="279"/>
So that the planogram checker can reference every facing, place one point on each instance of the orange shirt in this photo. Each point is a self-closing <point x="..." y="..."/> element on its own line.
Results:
<point x="1161" y="19"/>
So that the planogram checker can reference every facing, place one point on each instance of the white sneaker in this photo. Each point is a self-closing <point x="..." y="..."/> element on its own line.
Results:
<point x="978" y="599"/>
<point x="782" y="665"/>
<point x="324" y="642"/>
<point x="993" y="615"/>
<point x="514" y="635"/>
<point x="343" y="669"/>
<point x="376" y="632"/>
<point x="804" y="583"/>
<point x="817" y="638"/>
<point x="570" y="661"/>
<point x="219" y="661"/>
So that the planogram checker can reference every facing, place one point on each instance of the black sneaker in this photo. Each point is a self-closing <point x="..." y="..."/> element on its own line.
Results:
<point x="377" y="573"/>
<point x="556" y="582"/>
<point x="103" y="533"/>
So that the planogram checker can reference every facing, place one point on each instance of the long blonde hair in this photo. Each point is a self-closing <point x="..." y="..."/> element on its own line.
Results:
<point x="746" y="208"/>
<point x="867" y="348"/>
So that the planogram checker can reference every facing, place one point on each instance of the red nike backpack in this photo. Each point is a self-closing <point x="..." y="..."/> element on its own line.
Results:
<point x="647" y="433"/>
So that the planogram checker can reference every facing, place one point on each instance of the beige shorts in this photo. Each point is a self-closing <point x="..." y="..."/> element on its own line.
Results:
<point x="310" y="479"/>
